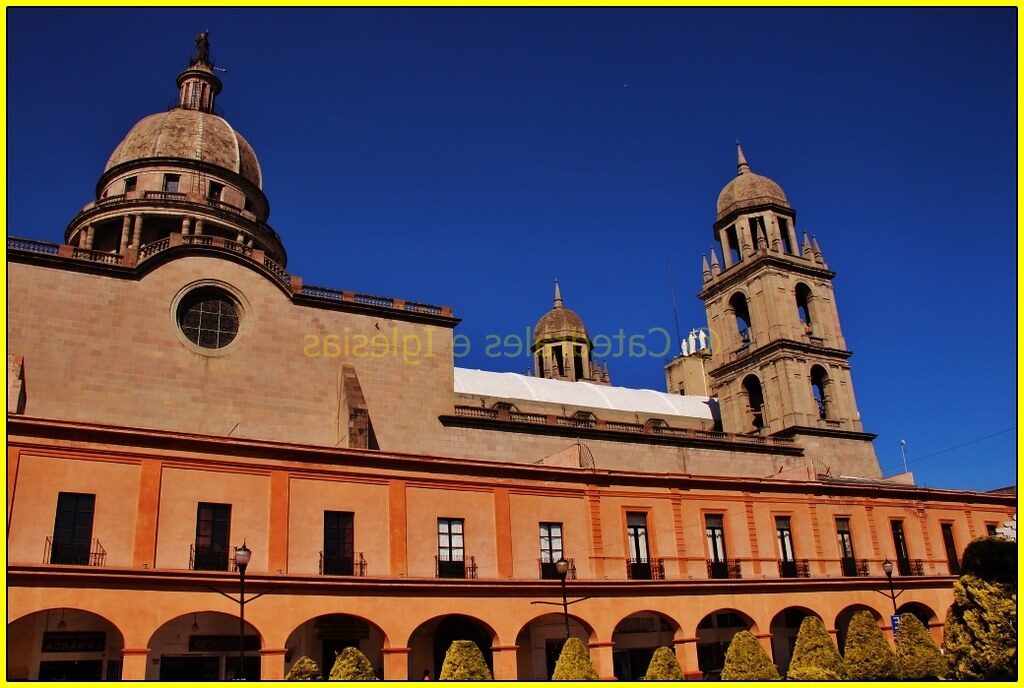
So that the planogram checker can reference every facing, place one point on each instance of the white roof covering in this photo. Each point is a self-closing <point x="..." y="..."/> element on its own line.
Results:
<point x="517" y="386"/>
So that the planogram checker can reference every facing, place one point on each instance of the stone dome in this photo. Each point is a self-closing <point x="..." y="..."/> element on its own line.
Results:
<point x="748" y="190"/>
<point x="559" y="323"/>
<point x="192" y="135"/>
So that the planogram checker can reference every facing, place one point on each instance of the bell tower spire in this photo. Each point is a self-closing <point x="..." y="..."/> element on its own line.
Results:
<point x="741" y="160"/>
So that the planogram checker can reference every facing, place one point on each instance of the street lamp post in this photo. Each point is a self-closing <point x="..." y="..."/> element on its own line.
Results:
<point x="887" y="567"/>
<point x="242" y="555"/>
<point x="562" y="567"/>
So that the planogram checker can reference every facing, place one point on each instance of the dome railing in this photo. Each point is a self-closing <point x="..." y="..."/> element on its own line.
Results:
<point x="185" y="201"/>
<point x="293" y="283"/>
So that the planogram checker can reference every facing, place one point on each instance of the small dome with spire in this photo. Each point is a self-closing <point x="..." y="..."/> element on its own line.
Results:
<point x="748" y="190"/>
<point x="559" y="324"/>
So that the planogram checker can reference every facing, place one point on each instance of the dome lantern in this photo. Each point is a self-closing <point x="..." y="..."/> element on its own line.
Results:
<point x="562" y="348"/>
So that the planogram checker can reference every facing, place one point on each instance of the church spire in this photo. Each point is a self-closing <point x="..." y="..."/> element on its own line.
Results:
<point x="558" y="296"/>
<point x="741" y="161"/>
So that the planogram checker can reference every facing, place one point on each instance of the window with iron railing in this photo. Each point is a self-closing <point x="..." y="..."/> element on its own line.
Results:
<point x="455" y="568"/>
<point x="451" y="549"/>
<point x="340" y="565"/>
<point x="74" y="553"/>
<point x="796" y="568"/>
<point x="854" y="568"/>
<point x="72" y="529"/>
<point x="724" y="569"/>
<point x="213" y="526"/>
<point x="548" y="571"/>
<point x="645" y="569"/>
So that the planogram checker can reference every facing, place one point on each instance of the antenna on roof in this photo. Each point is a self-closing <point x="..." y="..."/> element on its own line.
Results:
<point x="675" y="306"/>
<point x="903" y="451"/>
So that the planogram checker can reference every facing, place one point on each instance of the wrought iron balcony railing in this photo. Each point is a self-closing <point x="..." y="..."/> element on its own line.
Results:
<point x="203" y="559"/>
<point x="724" y="569"/>
<point x="645" y="569"/>
<point x="342" y="565"/>
<point x="797" y="568"/>
<point x="75" y="553"/>
<point x="910" y="567"/>
<point x="445" y="567"/>
<point x="549" y="572"/>
<point x="853" y="568"/>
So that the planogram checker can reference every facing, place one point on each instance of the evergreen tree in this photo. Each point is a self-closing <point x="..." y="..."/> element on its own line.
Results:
<point x="814" y="650"/>
<point x="917" y="655"/>
<point x="746" y="660"/>
<point x="866" y="653"/>
<point x="464" y="662"/>
<point x="574" y="663"/>
<point x="352" y="665"/>
<point x="304" y="669"/>
<point x="664" y="666"/>
<point x="980" y="636"/>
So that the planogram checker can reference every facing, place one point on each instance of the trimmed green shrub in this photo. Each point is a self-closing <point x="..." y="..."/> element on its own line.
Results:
<point x="746" y="660"/>
<point x="304" y="669"/>
<point x="993" y="559"/>
<point x="352" y="665"/>
<point x="813" y="673"/>
<point x="866" y="653"/>
<point x="664" y="666"/>
<point x="917" y="655"/>
<point x="980" y="637"/>
<point x="574" y="663"/>
<point x="814" y="648"/>
<point x="464" y="662"/>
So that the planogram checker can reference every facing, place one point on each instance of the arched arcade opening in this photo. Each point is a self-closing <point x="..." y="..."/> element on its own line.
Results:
<point x="429" y="643"/>
<point x="636" y="638"/>
<point x="714" y="633"/>
<point x="784" y="628"/>
<point x="323" y="637"/>
<point x="203" y="646"/>
<point x="63" y="645"/>
<point x="540" y="642"/>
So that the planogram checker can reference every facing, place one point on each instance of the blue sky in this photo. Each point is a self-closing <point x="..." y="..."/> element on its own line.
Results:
<point x="468" y="157"/>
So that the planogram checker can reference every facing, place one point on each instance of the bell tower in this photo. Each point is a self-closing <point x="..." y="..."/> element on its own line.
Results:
<point x="779" y="363"/>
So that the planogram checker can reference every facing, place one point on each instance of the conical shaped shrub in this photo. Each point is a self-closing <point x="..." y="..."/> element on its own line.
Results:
<point x="917" y="655"/>
<point x="304" y="669"/>
<point x="352" y="665"/>
<point x="746" y="660"/>
<point x="866" y="653"/>
<point x="814" y="649"/>
<point x="574" y="663"/>
<point x="664" y="666"/>
<point x="464" y="662"/>
<point x="980" y="636"/>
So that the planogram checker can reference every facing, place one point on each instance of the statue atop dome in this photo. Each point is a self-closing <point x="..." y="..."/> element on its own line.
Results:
<point x="202" y="48"/>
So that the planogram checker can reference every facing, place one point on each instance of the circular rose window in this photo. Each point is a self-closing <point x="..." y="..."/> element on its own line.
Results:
<point x="208" y="317"/>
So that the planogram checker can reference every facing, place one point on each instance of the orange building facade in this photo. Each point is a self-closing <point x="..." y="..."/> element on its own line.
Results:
<point x="174" y="391"/>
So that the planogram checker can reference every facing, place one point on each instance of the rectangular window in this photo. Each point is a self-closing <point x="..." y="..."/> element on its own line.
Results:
<point x="451" y="548"/>
<point x="171" y="183"/>
<point x="899" y="542"/>
<point x="718" y="559"/>
<point x="339" y="539"/>
<point x="639" y="553"/>
<point x="951" y="554"/>
<point x="558" y="364"/>
<point x="130" y="183"/>
<point x="215" y="191"/>
<point x="248" y="205"/>
<point x="846" y="554"/>
<point x="990" y="529"/>
<point x="787" y="559"/>
<point x="550" y="549"/>
<point x="213" y="528"/>
<point x="577" y="362"/>
<point x="72" y="529"/>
